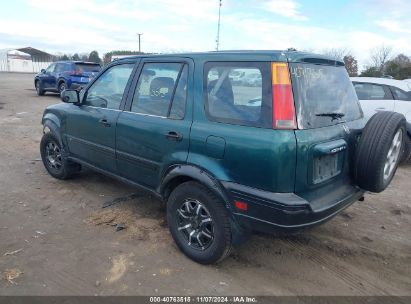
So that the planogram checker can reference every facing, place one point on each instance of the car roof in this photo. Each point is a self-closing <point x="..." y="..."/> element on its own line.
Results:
<point x="273" y="55"/>
<point x="401" y="84"/>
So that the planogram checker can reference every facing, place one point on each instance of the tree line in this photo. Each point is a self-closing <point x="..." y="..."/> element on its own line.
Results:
<point x="381" y="63"/>
<point x="95" y="57"/>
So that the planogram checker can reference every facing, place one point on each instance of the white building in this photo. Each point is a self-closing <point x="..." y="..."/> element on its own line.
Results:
<point x="27" y="60"/>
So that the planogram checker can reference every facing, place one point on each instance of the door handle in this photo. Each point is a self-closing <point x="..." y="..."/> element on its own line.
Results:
<point x="174" y="136"/>
<point x="104" y="122"/>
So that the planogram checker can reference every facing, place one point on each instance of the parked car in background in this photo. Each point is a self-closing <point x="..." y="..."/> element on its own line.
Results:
<point x="384" y="94"/>
<point x="63" y="75"/>
<point x="252" y="80"/>
<point x="236" y="76"/>
<point x="289" y="153"/>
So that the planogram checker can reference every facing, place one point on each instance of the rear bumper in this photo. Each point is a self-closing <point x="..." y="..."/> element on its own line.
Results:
<point x="271" y="212"/>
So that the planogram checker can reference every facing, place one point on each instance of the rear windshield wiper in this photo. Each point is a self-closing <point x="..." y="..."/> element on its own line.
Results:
<point x="334" y="116"/>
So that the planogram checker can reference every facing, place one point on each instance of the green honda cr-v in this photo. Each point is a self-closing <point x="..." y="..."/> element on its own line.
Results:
<point x="287" y="150"/>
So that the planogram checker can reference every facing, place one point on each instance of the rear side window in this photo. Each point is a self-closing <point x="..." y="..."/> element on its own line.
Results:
<point x="161" y="90"/>
<point x="60" y="67"/>
<point x="370" y="91"/>
<point x="238" y="93"/>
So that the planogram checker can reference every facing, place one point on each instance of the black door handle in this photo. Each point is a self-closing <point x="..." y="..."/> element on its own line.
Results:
<point x="174" y="136"/>
<point x="104" y="122"/>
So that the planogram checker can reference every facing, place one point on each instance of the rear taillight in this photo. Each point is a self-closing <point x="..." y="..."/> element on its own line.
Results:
<point x="283" y="101"/>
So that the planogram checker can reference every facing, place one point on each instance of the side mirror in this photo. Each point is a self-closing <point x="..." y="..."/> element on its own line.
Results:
<point x="42" y="71"/>
<point x="70" y="96"/>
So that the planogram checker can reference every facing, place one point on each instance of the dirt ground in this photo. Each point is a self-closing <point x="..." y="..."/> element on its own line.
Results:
<point x="56" y="239"/>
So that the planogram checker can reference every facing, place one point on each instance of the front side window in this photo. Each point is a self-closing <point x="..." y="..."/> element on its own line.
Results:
<point x="369" y="91"/>
<point x="108" y="90"/>
<point x="161" y="90"/>
<point x="238" y="93"/>
<point x="50" y="68"/>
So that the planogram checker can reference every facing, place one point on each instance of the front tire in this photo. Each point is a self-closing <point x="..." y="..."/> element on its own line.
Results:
<point x="199" y="223"/>
<point x="39" y="90"/>
<point x="62" y="87"/>
<point x="53" y="158"/>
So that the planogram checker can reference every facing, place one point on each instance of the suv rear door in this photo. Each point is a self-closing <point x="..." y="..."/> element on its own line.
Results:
<point x="153" y="131"/>
<point x="232" y="135"/>
<point x="329" y="125"/>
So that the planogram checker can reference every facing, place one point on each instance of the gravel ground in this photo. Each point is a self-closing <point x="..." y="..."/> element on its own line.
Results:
<point x="56" y="239"/>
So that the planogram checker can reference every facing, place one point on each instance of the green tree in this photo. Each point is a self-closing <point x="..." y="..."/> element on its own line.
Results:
<point x="84" y="57"/>
<point x="94" y="57"/>
<point x="399" y="67"/>
<point x="75" y="57"/>
<point x="63" y="57"/>
<point x="371" y="72"/>
<point x="107" y="56"/>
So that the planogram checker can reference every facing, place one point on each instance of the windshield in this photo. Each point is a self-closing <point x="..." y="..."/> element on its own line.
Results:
<point x="323" y="95"/>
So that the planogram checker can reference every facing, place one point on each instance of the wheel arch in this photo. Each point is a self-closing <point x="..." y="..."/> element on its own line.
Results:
<point x="51" y="123"/>
<point x="179" y="174"/>
<point x="60" y="81"/>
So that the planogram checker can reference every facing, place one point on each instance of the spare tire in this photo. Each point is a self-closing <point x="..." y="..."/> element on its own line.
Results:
<point x="379" y="151"/>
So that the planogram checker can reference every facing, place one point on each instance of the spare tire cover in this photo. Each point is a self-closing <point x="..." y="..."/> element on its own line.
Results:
<point x="379" y="151"/>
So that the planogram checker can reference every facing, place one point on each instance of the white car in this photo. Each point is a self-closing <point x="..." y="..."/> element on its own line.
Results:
<point x="383" y="94"/>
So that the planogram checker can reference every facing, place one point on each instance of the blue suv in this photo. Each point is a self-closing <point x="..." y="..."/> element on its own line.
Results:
<point x="63" y="75"/>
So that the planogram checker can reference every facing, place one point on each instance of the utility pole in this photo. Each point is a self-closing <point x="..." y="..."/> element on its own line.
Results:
<point x="139" y="42"/>
<point x="217" y="41"/>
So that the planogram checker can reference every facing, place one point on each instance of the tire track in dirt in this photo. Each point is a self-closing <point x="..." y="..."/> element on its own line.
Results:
<point x="64" y="283"/>
<point x="359" y="283"/>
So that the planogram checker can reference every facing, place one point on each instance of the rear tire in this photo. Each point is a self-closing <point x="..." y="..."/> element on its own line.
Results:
<point x="54" y="160"/>
<point x="199" y="223"/>
<point x="379" y="151"/>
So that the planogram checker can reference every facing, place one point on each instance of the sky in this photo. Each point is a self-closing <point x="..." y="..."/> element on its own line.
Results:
<point x="191" y="25"/>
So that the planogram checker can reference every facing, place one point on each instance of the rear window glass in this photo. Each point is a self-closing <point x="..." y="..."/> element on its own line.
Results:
<point x="238" y="93"/>
<point x="82" y="67"/>
<point x="323" y="95"/>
